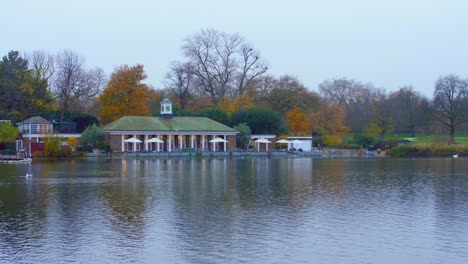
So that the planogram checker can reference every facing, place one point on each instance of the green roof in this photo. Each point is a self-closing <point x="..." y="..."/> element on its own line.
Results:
<point x="151" y="123"/>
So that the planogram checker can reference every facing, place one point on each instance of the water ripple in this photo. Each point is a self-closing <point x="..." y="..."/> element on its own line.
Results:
<point x="254" y="210"/>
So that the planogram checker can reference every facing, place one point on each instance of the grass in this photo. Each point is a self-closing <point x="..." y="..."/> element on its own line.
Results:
<point x="422" y="138"/>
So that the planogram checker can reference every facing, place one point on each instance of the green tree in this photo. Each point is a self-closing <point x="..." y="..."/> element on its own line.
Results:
<point x="22" y="92"/>
<point x="260" y="120"/>
<point x="244" y="135"/>
<point x="216" y="114"/>
<point x="92" y="136"/>
<point x="8" y="133"/>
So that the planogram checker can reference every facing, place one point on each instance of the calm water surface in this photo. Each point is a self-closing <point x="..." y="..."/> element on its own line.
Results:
<point x="235" y="211"/>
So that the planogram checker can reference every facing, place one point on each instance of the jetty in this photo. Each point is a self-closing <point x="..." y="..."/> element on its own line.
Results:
<point x="14" y="157"/>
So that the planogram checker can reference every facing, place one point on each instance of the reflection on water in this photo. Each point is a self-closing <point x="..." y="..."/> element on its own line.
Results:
<point x="254" y="210"/>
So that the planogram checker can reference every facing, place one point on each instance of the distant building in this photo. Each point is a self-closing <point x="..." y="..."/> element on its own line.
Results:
<point x="33" y="131"/>
<point x="304" y="143"/>
<point x="264" y="146"/>
<point x="5" y="121"/>
<point x="168" y="133"/>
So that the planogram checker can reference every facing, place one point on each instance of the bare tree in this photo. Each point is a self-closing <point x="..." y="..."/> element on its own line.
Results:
<point x="181" y="81"/>
<point x="93" y="83"/>
<point x="286" y="93"/>
<point x="223" y="64"/>
<point x="74" y="87"/>
<point x="450" y="102"/>
<point x="42" y="65"/>
<point x="343" y="91"/>
<point x="381" y="121"/>
<point x="250" y="68"/>
<point x="409" y="109"/>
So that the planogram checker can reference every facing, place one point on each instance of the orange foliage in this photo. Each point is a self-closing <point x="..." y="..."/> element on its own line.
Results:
<point x="226" y="106"/>
<point x="298" y="122"/>
<point x="230" y="106"/>
<point x="72" y="142"/>
<point x="330" y="119"/>
<point x="125" y="95"/>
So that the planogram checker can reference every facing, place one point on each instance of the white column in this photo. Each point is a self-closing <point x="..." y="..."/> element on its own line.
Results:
<point x="134" y="144"/>
<point x="267" y="146"/>
<point x="181" y="139"/>
<point x="157" y="136"/>
<point x="146" y="142"/>
<point x="215" y="145"/>
<point x="225" y="144"/>
<point x="258" y="146"/>
<point x="192" y="141"/>
<point x="123" y="143"/>
<point x="169" y="147"/>
<point x="203" y="142"/>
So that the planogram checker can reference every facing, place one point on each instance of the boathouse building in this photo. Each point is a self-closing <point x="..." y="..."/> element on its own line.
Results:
<point x="168" y="133"/>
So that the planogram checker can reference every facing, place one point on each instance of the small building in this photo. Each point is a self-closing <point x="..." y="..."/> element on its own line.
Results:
<point x="168" y="133"/>
<point x="33" y="131"/>
<point x="300" y="143"/>
<point x="263" y="142"/>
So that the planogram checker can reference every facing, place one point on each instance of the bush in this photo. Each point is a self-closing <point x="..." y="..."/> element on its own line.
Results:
<point x="388" y="144"/>
<point x="421" y="149"/>
<point x="92" y="137"/>
<point x="79" y="154"/>
<point x="329" y="140"/>
<point x="346" y="146"/>
<point x="363" y="139"/>
<point x="52" y="147"/>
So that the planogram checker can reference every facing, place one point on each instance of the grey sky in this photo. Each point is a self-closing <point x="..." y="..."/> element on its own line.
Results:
<point x="388" y="43"/>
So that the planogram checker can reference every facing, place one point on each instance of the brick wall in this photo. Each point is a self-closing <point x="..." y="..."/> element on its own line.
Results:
<point x="231" y="145"/>
<point x="115" y="142"/>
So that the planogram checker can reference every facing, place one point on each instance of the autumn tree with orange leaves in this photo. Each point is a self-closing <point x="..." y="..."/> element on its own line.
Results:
<point x="239" y="102"/>
<point x="329" y="121"/>
<point x="126" y="95"/>
<point x="298" y="122"/>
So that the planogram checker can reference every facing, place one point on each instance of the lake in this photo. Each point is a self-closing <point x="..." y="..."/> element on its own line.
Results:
<point x="251" y="210"/>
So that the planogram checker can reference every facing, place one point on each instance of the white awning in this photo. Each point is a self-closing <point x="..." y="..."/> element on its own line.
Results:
<point x="282" y="141"/>
<point x="262" y="140"/>
<point x="154" y="140"/>
<point x="133" y="140"/>
<point x="217" y="140"/>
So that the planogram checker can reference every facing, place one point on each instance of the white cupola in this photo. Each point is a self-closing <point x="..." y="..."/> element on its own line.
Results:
<point x="166" y="108"/>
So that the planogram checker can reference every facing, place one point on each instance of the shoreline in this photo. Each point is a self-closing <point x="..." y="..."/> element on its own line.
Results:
<point x="327" y="153"/>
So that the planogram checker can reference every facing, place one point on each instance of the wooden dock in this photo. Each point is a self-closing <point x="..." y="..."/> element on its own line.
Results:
<point x="19" y="157"/>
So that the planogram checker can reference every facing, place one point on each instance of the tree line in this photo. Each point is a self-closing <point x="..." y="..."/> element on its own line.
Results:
<point x="223" y="77"/>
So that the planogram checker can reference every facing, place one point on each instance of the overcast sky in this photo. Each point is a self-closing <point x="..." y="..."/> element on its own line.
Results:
<point x="388" y="43"/>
